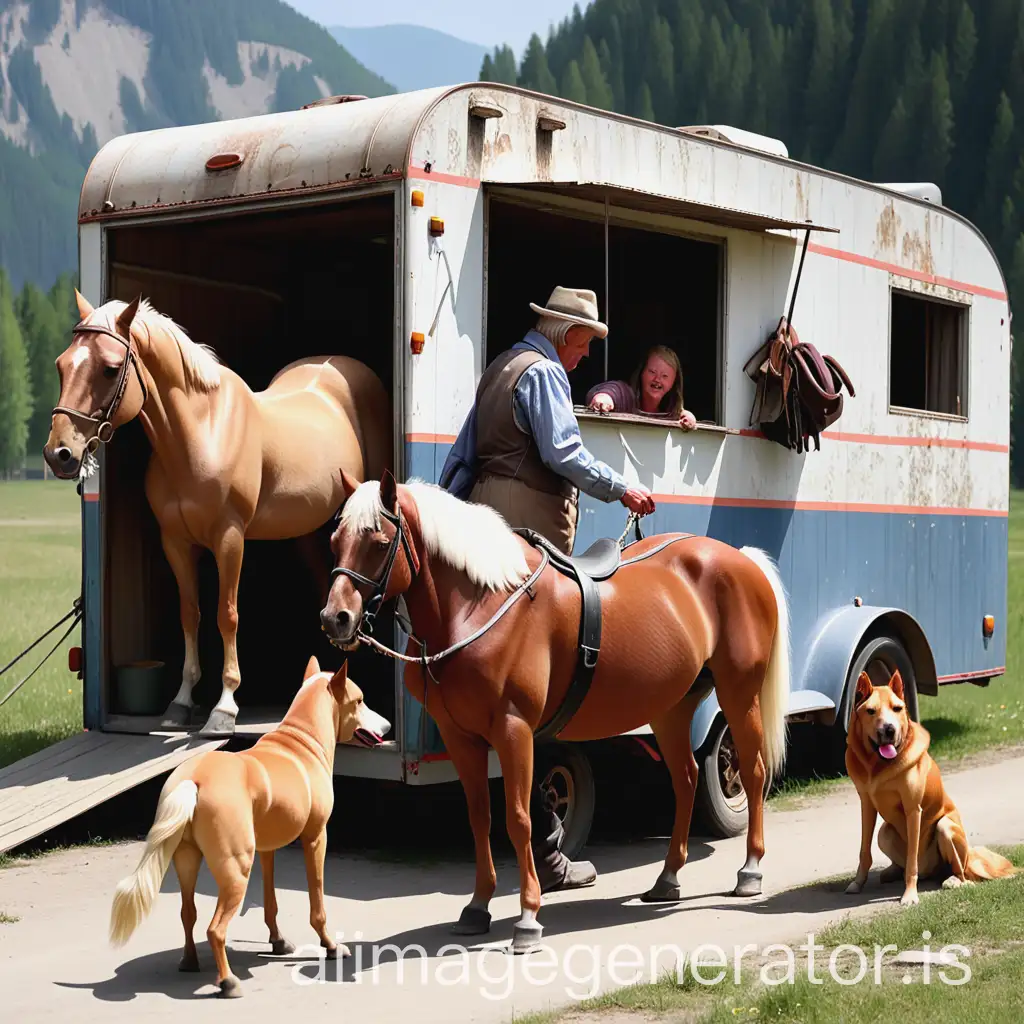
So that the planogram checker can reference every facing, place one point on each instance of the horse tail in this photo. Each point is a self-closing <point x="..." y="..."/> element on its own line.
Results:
<point x="776" y="685"/>
<point x="134" y="896"/>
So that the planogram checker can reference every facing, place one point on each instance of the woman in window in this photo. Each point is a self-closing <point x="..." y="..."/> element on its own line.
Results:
<point x="655" y="389"/>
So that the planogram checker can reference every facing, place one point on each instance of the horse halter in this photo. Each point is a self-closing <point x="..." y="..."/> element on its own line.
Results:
<point x="380" y="584"/>
<point x="105" y="430"/>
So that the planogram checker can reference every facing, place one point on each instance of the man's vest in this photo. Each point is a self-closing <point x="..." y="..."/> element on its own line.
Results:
<point x="502" y="449"/>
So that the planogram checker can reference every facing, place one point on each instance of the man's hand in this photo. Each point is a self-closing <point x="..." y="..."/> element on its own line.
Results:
<point x="638" y="499"/>
<point x="687" y="421"/>
<point x="602" y="402"/>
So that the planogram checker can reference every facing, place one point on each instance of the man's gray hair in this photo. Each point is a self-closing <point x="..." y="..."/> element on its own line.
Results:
<point x="555" y="329"/>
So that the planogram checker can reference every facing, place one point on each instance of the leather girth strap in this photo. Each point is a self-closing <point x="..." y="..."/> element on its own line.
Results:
<point x="589" y="641"/>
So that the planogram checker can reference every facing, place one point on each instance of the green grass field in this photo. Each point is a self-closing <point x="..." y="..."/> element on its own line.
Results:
<point x="40" y="575"/>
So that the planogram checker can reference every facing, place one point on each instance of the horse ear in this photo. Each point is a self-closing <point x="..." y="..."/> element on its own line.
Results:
<point x="896" y="684"/>
<point x="349" y="482"/>
<point x="312" y="668"/>
<point x="127" y="315"/>
<point x="863" y="687"/>
<point x="388" y="491"/>
<point x="84" y="306"/>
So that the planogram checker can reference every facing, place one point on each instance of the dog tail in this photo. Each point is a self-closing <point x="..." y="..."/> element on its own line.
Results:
<point x="776" y="685"/>
<point x="134" y="896"/>
<point x="984" y="865"/>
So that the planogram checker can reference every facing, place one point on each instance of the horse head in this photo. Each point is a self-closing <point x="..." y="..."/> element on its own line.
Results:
<point x="98" y="390"/>
<point x="375" y="557"/>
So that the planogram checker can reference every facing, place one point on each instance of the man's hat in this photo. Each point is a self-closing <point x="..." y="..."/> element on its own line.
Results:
<point x="577" y="305"/>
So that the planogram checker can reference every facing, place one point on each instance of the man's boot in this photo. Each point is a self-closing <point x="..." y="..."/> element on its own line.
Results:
<point x="554" y="870"/>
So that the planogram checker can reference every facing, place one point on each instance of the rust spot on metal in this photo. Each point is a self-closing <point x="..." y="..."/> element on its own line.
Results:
<point x="917" y="251"/>
<point x="887" y="228"/>
<point x="503" y="144"/>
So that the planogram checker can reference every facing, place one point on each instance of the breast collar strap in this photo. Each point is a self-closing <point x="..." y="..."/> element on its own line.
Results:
<point x="105" y="428"/>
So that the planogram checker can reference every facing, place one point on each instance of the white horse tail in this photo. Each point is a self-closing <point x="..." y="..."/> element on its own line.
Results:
<point x="134" y="896"/>
<point x="776" y="685"/>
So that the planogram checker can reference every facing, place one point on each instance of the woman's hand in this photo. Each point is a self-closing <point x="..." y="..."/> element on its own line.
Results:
<point x="687" y="421"/>
<point x="602" y="402"/>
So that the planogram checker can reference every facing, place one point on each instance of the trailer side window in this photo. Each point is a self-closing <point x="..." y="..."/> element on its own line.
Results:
<point x="927" y="355"/>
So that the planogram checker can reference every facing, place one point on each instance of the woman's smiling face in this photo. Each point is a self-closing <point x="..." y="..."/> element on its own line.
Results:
<point x="655" y="381"/>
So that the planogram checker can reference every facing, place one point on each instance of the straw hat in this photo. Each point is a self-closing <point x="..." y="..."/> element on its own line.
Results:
<point x="577" y="305"/>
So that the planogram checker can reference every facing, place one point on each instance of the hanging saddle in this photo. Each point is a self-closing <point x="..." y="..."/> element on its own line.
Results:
<point x="799" y="391"/>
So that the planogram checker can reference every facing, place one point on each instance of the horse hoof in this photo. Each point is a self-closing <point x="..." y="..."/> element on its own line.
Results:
<point x="219" y="725"/>
<point x="177" y="716"/>
<point x="526" y="936"/>
<point x="748" y="883"/>
<point x="336" y="951"/>
<point x="231" y="988"/>
<point x="662" y="892"/>
<point x="281" y="947"/>
<point x="189" y="963"/>
<point x="472" y="921"/>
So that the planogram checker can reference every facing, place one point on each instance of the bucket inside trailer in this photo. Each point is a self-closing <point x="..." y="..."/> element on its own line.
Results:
<point x="262" y="289"/>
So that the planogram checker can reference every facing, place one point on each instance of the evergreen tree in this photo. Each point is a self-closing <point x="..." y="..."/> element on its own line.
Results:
<point x="660" y="69"/>
<point x="572" y="84"/>
<point x="534" y="72"/>
<point x="964" y="48"/>
<point x="43" y="337"/>
<point x="644" y="107"/>
<point x="935" y="127"/>
<point x="598" y="92"/>
<point x="15" y="385"/>
<point x="505" y="65"/>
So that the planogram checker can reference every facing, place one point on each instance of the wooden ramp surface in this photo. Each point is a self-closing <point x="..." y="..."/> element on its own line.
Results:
<point x="67" y="778"/>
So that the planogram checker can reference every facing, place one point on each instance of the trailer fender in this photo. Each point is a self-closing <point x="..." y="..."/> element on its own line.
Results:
<point x="836" y="643"/>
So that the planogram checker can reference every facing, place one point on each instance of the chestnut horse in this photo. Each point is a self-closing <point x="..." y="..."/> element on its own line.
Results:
<point x="227" y="464"/>
<point x="677" y="603"/>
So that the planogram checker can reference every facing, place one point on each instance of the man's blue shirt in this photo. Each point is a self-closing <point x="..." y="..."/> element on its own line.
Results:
<point x="542" y="407"/>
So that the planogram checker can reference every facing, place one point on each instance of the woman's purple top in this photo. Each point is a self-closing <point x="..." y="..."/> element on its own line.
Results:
<point x="623" y="398"/>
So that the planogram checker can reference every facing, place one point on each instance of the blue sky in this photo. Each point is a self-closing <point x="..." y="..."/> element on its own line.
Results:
<point x="489" y="22"/>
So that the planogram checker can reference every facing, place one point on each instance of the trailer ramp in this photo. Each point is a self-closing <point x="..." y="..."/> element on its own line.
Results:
<point x="67" y="778"/>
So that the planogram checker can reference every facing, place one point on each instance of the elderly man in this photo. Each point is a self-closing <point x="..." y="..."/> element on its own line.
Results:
<point x="520" y="452"/>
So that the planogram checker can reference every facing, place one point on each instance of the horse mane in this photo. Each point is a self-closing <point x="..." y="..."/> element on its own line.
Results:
<point x="469" y="537"/>
<point x="202" y="367"/>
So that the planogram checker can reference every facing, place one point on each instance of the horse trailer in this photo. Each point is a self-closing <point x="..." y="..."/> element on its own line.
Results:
<point x="412" y="231"/>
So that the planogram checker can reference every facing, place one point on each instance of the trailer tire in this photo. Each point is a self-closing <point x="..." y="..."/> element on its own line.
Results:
<point x="879" y="656"/>
<point x="720" y="798"/>
<point x="564" y="772"/>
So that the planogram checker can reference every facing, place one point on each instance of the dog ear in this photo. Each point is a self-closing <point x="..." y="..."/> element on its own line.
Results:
<point x="312" y="668"/>
<point x="389" y="491"/>
<point x="339" y="681"/>
<point x="896" y="684"/>
<point x="863" y="688"/>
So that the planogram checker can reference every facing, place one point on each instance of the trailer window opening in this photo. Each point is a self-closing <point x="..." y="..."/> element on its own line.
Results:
<point x="262" y="289"/>
<point x="927" y="355"/>
<point x="664" y="289"/>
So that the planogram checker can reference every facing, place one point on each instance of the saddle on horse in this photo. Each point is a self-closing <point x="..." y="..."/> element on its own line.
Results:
<point x="799" y="391"/>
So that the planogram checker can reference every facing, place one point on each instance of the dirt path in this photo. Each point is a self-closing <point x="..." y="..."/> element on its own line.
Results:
<point x="55" y="958"/>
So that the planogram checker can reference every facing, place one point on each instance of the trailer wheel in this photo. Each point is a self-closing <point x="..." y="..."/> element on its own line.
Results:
<point x="567" y="779"/>
<point x="879" y="656"/>
<point x="720" y="796"/>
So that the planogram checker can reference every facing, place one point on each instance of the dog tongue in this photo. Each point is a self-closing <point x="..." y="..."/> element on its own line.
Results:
<point x="888" y="751"/>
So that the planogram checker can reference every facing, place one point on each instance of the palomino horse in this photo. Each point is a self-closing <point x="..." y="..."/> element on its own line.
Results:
<point x="227" y="464"/>
<point x="494" y="667"/>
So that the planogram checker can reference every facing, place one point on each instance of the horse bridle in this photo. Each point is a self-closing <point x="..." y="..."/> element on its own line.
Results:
<point x="380" y="584"/>
<point x="105" y="430"/>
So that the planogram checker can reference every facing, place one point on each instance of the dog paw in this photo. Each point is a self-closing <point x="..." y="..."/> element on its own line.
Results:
<point x="910" y="899"/>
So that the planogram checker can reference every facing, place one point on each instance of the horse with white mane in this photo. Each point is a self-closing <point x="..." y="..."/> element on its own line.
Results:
<point x="227" y="464"/>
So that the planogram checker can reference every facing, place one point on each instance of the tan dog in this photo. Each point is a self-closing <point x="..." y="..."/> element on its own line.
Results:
<point x="227" y="806"/>
<point x="887" y="758"/>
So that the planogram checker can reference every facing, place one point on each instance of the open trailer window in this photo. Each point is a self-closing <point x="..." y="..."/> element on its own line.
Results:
<point x="927" y="355"/>
<point x="662" y="289"/>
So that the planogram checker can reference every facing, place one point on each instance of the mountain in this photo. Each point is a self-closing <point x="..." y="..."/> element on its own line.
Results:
<point x="413" y="57"/>
<point x="76" y="73"/>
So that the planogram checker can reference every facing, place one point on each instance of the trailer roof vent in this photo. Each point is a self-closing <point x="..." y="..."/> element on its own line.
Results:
<point x="925" y="190"/>
<point x="738" y="137"/>
<point x="329" y="101"/>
